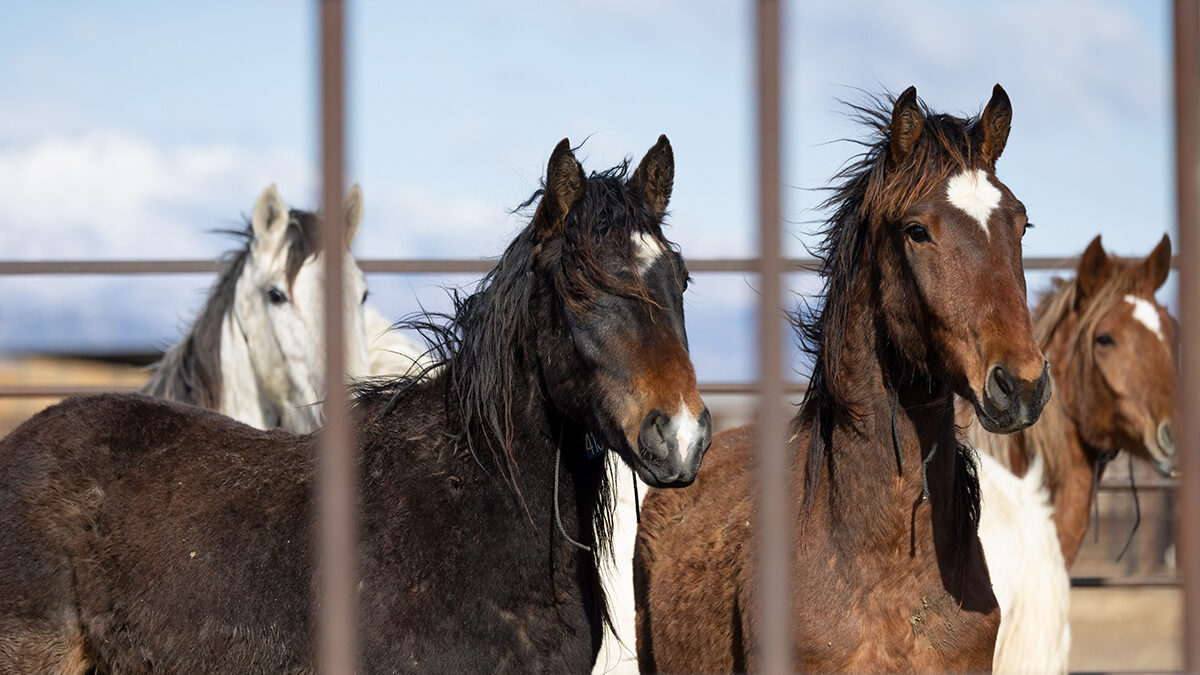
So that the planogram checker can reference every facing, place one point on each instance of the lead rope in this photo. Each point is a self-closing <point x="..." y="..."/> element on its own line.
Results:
<point x="637" y="503"/>
<point x="1137" y="509"/>
<point x="900" y="453"/>
<point x="557" y="515"/>
<point x="896" y="431"/>
<point x="1101" y="460"/>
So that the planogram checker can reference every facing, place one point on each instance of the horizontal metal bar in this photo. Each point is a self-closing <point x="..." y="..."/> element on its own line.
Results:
<point x="1149" y="485"/>
<point x="58" y="391"/>
<point x="1126" y="582"/>
<point x="409" y="266"/>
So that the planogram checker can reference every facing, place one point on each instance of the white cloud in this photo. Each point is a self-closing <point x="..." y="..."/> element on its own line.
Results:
<point x="108" y="194"/>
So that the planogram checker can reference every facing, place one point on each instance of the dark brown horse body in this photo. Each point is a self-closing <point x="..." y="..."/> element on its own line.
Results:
<point x="924" y="299"/>
<point x="139" y="535"/>
<point x="1113" y="350"/>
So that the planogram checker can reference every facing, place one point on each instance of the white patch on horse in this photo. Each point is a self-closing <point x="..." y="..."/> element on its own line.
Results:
<point x="687" y="429"/>
<point x="1145" y="312"/>
<point x="974" y="194"/>
<point x="646" y="250"/>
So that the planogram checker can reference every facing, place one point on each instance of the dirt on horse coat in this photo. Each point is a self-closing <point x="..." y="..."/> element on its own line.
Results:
<point x="924" y="298"/>
<point x="140" y="535"/>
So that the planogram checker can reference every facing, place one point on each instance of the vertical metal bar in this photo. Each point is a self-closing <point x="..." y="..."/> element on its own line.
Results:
<point x="774" y="526"/>
<point x="335" y="498"/>
<point x="1187" y="191"/>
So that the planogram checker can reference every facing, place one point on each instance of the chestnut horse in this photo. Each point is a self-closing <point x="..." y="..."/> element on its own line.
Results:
<point x="142" y="535"/>
<point x="1114" y="352"/>
<point x="924" y="298"/>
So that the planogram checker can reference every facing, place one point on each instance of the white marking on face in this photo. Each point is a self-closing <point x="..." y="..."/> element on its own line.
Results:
<point x="646" y="250"/>
<point x="974" y="194"/>
<point x="687" y="429"/>
<point x="1146" y="313"/>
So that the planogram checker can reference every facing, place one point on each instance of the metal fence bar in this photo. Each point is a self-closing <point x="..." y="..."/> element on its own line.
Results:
<point x="774" y="546"/>
<point x="1126" y="582"/>
<point x="335" y="498"/>
<point x="422" y="266"/>
<point x="1187" y="189"/>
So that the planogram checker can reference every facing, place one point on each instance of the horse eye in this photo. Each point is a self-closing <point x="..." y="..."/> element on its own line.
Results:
<point x="276" y="296"/>
<point x="364" y="298"/>
<point x="917" y="233"/>
<point x="1028" y="227"/>
<point x="1105" y="340"/>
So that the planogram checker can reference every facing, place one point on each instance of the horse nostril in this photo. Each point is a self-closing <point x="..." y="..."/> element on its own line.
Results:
<point x="1166" y="439"/>
<point x="1003" y="380"/>
<point x="654" y="432"/>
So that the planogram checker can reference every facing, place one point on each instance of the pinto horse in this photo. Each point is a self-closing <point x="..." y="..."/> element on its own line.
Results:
<point x="143" y="535"/>
<point x="256" y="352"/>
<point x="924" y="299"/>
<point x="1114" y="351"/>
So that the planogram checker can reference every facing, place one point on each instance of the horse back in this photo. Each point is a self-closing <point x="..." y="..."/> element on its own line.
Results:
<point x="121" y="515"/>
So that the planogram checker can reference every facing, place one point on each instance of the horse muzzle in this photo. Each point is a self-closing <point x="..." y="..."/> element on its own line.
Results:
<point x="1009" y="404"/>
<point x="671" y="447"/>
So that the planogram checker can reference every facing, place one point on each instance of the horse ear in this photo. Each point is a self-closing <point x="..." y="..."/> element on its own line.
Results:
<point x="565" y="184"/>
<point x="352" y="206"/>
<point x="655" y="176"/>
<point x="1094" y="269"/>
<point x="270" y="219"/>
<point x="907" y="124"/>
<point x="1158" y="265"/>
<point x="991" y="131"/>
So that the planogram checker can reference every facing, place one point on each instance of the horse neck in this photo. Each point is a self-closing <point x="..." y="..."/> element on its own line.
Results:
<point x="868" y="477"/>
<point x="1071" y="464"/>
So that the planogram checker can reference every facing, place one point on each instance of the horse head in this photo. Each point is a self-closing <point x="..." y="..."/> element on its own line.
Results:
<point x="1118" y="381"/>
<point x="949" y="243"/>
<point x="279" y="307"/>
<point x="615" y="356"/>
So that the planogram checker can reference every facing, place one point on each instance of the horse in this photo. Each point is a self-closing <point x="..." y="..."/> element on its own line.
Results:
<point x="256" y="352"/>
<point x="924" y="298"/>
<point x="138" y="534"/>
<point x="1114" y="351"/>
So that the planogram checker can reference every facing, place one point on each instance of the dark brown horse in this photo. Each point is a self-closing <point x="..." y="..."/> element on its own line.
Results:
<point x="1114" y="351"/>
<point x="924" y="298"/>
<point x="138" y="535"/>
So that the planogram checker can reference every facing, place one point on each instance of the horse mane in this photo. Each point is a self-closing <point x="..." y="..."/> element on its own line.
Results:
<point x="190" y="370"/>
<point x="864" y="195"/>
<point x="483" y="348"/>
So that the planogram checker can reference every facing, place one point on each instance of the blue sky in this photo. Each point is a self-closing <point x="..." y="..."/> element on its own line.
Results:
<point x="133" y="129"/>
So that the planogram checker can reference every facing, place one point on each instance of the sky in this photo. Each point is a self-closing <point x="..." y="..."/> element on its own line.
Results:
<point x="136" y="129"/>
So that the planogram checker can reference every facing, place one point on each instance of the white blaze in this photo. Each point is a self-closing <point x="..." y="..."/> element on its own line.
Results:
<point x="974" y="194"/>
<point x="687" y="429"/>
<point x="1145" y="312"/>
<point x="645" y="250"/>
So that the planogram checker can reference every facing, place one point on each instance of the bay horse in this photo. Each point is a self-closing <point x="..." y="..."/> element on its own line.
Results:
<point x="924" y="298"/>
<point x="256" y="352"/>
<point x="1114" y="351"/>
<point x="142" y="535"/>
